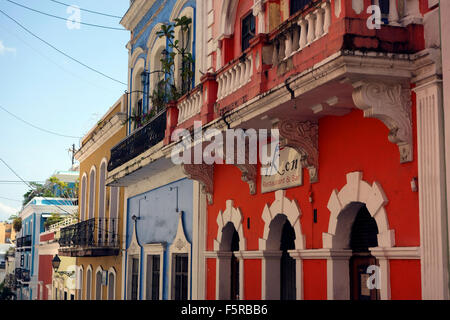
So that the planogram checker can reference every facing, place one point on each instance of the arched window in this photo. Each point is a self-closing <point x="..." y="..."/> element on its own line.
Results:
<point x="139" y="83"/>
<point x="98" y="285"/>
<point x="92" y="180"/>
<point x="83" y="195"/>
<point x="88" y="283"/>
<point x="113" y="215"/>
<point x="111" y="285"/>
<point x="80" y="283"/>
<point x="101" y="204"/>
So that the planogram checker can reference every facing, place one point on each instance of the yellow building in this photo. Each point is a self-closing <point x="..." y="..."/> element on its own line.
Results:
<point x="7" y="232"/>
<point x="96" y="240"/>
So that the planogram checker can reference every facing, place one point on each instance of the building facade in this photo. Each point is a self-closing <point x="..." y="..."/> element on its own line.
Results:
<point x="96" y="239"/>
<point x="7" y="233"/>
<point x="357" y="206"/>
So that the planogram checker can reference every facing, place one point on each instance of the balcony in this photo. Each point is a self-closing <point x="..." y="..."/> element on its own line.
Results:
<point x="90" y="238"/>
<point x="190" y="105"/>
<point x="22" y="274"/>
<point x="139" y="141"/>
<point x="23" y="242"/>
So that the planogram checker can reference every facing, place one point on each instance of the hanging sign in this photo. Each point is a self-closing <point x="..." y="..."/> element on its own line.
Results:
<point x="287" y="174"/>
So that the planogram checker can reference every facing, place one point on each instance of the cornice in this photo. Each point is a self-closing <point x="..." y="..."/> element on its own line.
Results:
<point x="135" y="13"/>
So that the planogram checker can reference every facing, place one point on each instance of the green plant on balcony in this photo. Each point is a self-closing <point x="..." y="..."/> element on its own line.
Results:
<point x="166" y="89"/>
<point x="16" y="222"/>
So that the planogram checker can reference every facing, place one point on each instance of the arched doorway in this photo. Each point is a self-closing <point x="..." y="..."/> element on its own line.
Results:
<point x="282" y="238"/>
<point x="287" y="264"/>
<point x="230" y="244"/>
<point x="363" y="236"/>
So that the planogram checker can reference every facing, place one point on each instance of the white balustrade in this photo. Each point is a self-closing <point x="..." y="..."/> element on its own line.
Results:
<point x="308" y="29"/>
<point x="64" y="223"/>
<point x="190" y="106"/>
<point x="235" y="77"/>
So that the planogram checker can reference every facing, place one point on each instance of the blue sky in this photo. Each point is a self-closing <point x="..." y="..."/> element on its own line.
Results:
<point x="49" y="90"/>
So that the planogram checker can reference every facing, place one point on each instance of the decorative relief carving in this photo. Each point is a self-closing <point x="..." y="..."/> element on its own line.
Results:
<point x="204" y="174"/>
<point x="390" y="103"/>
<point x="304" y="138"/>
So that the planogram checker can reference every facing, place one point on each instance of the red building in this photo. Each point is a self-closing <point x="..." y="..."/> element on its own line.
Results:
<point x="358" y="206"/>
<point x="358" y="106"/>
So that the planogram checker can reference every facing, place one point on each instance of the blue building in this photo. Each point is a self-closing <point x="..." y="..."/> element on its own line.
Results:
<point x="33" y="215"/>
<point x="162" y="247"/>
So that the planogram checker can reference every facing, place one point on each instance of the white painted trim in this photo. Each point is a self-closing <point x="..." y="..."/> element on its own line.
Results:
<point x="124" y="277"/>
<point x="233" y="215"/>
<point x="137" y="52"/>
<point x="189" y="13"/>
<point x="153" y="60"/>
<point x="176" y="10"/>
<point x="271" y="254"/>
<point x="154" y="249"/>
<point x="133" y="251"/>
<point x="180" y="245"/>
<point x="358" y="191"/>
<point x="113" y="272"/>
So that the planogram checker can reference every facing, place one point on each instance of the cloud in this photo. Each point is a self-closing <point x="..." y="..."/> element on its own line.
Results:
<point x="7" y="211"/>
<point x="4" y="49"/>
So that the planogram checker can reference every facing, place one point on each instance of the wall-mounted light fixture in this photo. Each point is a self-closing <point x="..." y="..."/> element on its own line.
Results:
<point x="56" y="262"/>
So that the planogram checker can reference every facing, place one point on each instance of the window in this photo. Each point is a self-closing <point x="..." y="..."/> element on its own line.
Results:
<point x="153" y="277"/>
<point x="111" y="286"/>
<point x="98" y="285"/>
<point x="180" y="276"/>
<point x="113" y="214"/>
<point x="248" y="30"/>
<point x="65" y="295"/>
<point x="101" y="203"/>
<point x="134" y="278"/>
<point x="91" y="193"/>
<point x="297" y="5"/>
<point x="83" y="198"/>
<point x="88" y="284"/>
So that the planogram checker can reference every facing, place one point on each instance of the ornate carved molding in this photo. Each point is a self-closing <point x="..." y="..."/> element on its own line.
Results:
<point x="303" y="137"/>
<point x="390" y="103"/>
<point x="204" y="174"/>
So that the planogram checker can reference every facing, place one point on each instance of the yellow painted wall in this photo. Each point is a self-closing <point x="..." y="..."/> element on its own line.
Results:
<point x="95" y="159"/>
<point x="4" y="227"/>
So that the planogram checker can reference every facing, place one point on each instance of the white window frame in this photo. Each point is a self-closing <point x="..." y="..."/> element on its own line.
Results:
<point x="102" y="194"/>
<point x="154" y="249"/>
<point x="83" y="195"/>
<point x="180" y="245"/>
<point x="134" y="251"/>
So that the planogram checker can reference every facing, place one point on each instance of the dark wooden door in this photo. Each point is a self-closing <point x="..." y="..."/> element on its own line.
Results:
<point x="359" y="290"/>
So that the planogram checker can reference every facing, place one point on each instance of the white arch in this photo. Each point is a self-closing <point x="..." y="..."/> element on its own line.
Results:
<point x="233" y="215"/>
<point x="269" y="244"/>
<point x="177" y="9"/>
<point x="135" y="56"/>
<point x="154" y="63"/>
<point x="227" y="18"/>
<point x="290" y="208"/>
<point x="223" y="264"/>
<point x="92" y="186"/>
<point x="356" y="191"/>
<point x="112" y="272"/>
<point x="102" y="198"/>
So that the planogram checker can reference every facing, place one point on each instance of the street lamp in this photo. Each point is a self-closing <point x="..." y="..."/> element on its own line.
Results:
<point x="56" y="263"/>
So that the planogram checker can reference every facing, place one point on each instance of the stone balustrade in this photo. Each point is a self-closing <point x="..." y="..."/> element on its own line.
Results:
<point x="235" y="77"/>
<point x="190" y="106"/>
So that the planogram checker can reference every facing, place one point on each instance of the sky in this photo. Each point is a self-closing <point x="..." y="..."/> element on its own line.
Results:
<point x="50" y="91"/>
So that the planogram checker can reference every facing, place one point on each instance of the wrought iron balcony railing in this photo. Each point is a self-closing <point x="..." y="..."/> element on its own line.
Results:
<point x="139" y="141"/>
<point x="23" y="242"/>
<point x="92" y="233"/>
